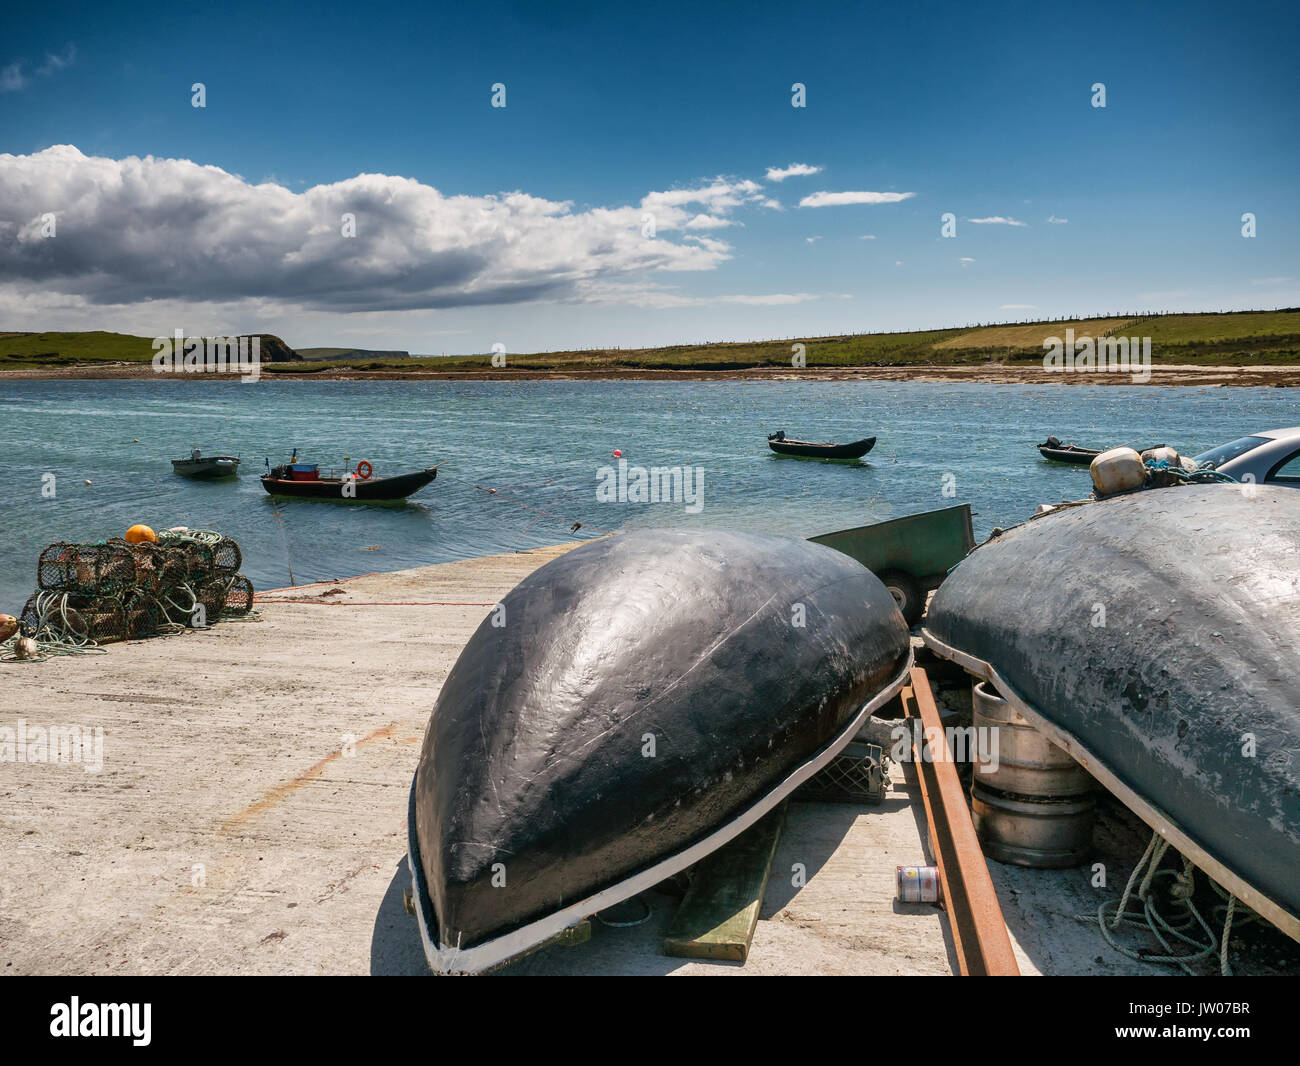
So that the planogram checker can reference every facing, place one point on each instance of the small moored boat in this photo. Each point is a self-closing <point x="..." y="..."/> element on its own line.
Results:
<point x="206" y="467"/>
<point x="631" y="707"/>
<point x="1053" y="449"/>
<point x="783" y="445"/>
<point x="304" y="481"/>
<point x="1156" y="637"/>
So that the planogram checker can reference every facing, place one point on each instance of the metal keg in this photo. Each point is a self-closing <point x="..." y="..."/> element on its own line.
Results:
<point x="1032" y="804"/>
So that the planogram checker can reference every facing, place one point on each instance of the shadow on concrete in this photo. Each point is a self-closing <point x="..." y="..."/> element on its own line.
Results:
<point x="395" y="949"/>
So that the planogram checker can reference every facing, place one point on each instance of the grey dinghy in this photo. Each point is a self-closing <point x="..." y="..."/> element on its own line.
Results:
<point x="1200" y="646"/>
<point x="627" y="709"/>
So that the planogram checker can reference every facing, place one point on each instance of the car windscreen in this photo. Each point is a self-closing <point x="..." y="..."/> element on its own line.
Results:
<point x="1224" y="453"/>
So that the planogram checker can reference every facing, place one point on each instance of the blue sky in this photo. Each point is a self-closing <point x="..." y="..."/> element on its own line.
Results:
<point x="982" y="112"/>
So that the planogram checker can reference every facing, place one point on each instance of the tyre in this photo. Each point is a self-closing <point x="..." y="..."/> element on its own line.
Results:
<point x="906" y="592"/>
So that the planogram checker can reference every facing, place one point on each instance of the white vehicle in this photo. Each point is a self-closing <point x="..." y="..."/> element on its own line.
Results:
<point x="1272" y="457"/>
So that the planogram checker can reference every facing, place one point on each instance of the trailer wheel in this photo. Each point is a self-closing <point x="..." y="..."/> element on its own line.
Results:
<point x="906" y="592"/>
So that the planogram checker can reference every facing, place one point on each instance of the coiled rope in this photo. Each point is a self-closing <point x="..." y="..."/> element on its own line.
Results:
<point x="54" y="632"/>
<point x="1186" y="925"/>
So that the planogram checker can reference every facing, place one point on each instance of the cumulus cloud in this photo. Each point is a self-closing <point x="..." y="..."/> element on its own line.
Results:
<point x="710" y="222"/>
<point x="14" y="76"/>
<point x="794" y="170"/>
<point x="997" y="220"/>
<point x="838" y="199"/>
<point x="171" y="230"/>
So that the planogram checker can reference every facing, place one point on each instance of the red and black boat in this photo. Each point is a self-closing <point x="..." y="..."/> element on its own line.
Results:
<point x="304" y="481"/>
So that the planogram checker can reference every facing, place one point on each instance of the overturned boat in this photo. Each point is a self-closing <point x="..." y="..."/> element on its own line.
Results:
<point x="1156" y="637"/>
<point x="623" y="712"/>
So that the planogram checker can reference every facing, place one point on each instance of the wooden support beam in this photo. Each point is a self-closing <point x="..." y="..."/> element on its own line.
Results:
<point x="717" y="917"/>
<point x="979" y="930"/>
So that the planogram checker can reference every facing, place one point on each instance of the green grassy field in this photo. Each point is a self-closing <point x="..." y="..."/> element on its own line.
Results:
<point x="1247" y="338"/>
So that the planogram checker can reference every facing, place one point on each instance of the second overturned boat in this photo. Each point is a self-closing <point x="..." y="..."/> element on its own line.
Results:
<point x="1156" y="637"/>
<point x="783" y="445"/>
<point x="626" y="710"/>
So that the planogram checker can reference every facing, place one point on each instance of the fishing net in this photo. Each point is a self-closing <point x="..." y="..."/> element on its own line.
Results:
<point x="97" y="593"/>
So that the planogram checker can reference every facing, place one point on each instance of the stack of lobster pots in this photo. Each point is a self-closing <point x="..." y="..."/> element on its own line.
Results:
<point x="119" y="590"/>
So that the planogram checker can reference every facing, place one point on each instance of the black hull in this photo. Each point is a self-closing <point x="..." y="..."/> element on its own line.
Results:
<point x="1078" y="456"/>
<point x="535" y="763"/>
<point x="805" y="450"/>
<point x="1200" y="646"/>
<point x="370" y="490"/>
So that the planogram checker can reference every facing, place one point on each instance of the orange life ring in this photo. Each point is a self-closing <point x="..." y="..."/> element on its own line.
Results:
<point x="364" y="469"/>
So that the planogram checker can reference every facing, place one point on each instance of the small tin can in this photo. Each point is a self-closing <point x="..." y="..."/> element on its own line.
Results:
<point x="918" y="884"/>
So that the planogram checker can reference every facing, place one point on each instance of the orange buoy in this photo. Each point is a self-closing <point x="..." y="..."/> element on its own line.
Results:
<point x="140" y="535"/>
<point x="618" y="453"/>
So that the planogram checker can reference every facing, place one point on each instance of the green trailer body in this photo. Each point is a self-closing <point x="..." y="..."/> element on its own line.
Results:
<point x="912" y="554"/>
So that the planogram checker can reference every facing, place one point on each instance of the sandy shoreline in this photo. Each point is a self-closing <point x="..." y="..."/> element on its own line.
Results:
<point x="980" y="373"/>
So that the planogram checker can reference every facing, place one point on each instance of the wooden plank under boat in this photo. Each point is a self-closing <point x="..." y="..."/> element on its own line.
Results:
<point x="784" y="445"/>
<point x="348" y="490"/>
<point x="1151" y="635"/>
<point x="631" y="707"/>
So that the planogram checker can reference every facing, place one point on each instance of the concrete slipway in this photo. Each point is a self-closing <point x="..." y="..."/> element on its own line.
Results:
<point x="250" y="813"/>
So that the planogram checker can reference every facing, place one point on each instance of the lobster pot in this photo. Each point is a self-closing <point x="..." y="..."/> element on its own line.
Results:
<point x="1031" y="803"/>
<point x="88" y="569"/>
<point x="227" y="557"/>
<point x="144" y="615"/>
<point x="178" y="603"/>
<point x="29" y="619"/>
<point x="105" y="618"/>
<point x="239" y="596"/>
<point x="212" y="595"/>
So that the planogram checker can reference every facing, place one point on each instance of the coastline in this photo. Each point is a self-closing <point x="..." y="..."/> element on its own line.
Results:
<point x="1167" y="374"/>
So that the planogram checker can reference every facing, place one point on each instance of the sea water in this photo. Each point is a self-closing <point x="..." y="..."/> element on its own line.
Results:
<point x="542" y="446"/>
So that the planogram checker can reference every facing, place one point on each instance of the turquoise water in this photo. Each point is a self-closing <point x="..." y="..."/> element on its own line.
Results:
<point x="541" y="444"/>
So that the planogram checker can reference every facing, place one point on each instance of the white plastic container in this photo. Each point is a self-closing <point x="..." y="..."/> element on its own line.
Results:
<point x="1117" y="470"/>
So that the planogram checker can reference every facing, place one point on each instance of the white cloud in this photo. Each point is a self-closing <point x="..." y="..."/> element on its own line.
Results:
<point x="867" y="237"/>
<point x="710" y="222"/>
<point x="1057" y="221"/>
<point x="182" y="234"/>
<point x="996" y="220"/>
<point x="965" y="260"/>
<point x="13" y="79"/>
<point x="811" y="239"/>
<point x="794" y="170"/>
<point x="838" y="199"/>
<point x="1017" y="307"/>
